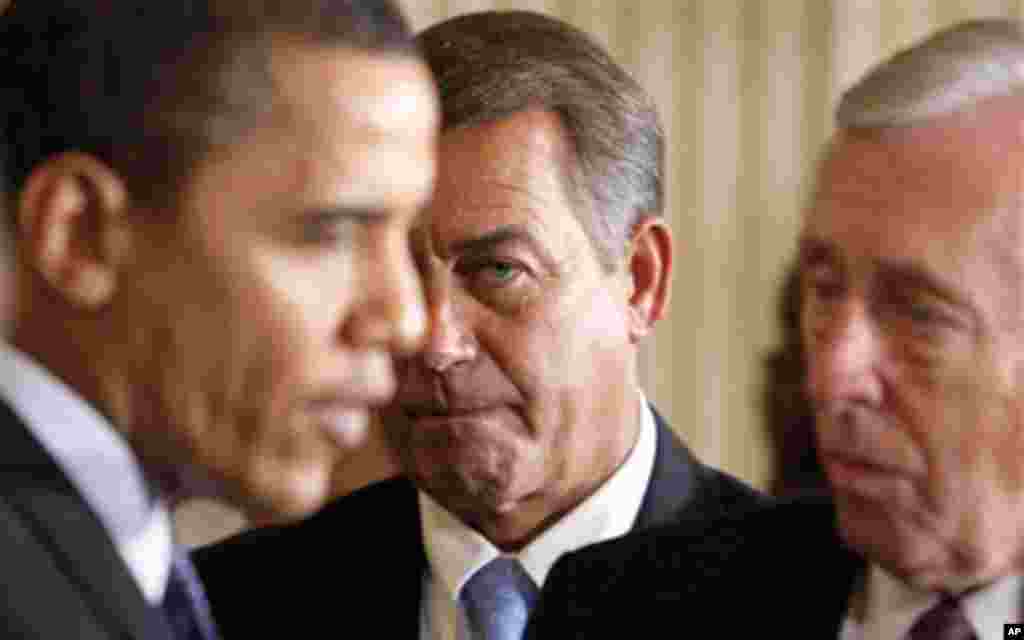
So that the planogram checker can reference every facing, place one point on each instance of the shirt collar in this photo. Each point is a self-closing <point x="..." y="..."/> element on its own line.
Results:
<point x="892" y="606"/>
<point x="98" y="461"/>
<point x="455" y="551"/>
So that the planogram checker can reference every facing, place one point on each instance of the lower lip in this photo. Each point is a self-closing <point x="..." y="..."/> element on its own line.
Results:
<point x="347" y="427"/>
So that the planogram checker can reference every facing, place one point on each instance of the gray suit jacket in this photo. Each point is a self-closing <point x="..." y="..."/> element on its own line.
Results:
<point x="365" y="551"/>
<point x="60" y="575"/>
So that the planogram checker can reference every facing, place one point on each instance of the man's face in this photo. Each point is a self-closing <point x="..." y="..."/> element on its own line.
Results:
<point x="912" y="323"/>
<point x="264" y="311"/>
<point x="523" y="400"/>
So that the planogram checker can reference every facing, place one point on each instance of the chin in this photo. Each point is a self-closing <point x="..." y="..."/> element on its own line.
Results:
<point x="905" y="549"/>
<point x="289" y="493"/>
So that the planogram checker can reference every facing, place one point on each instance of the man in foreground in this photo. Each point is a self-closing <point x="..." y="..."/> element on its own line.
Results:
<point x="210" y="203"/>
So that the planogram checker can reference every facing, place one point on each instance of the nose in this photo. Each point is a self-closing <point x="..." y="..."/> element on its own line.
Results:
<point x="844" y="350"/>
<point x="392" y="314"/>
<point x="450" y="340"/>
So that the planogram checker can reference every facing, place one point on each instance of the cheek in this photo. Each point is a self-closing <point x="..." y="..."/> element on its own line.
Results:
<point x="296" y="311"/>
<point x="244" y="359"/>
<point x="973" y="430"/>
<point x="586" y="338"/>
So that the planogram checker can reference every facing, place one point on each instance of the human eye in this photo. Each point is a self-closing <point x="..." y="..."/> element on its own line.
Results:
<point x="494" y="273"/>
<point x="928" y="316"/>
<point x="506" y="285"/>
<point x="334" y="227"/>
<point x="321" y="234"/>
<point x="920" y="316"/>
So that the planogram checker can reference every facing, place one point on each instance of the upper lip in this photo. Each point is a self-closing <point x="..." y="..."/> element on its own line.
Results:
<point x="854" y="458"/>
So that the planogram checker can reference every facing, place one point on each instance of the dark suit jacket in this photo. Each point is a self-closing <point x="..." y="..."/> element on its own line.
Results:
<point x="777" y="571"/>
<point x="360" y="562"/>
<point x="60" y="575"/>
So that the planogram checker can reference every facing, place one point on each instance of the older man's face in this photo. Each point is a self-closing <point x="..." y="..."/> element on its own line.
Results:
<point x="913" y="327"/>
<point x="518" y="405"/>
<point x="262" y="316"/>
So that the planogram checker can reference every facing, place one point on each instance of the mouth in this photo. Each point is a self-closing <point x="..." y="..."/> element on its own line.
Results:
<point x="457" y="410"/>
<point x="858" y="474"/>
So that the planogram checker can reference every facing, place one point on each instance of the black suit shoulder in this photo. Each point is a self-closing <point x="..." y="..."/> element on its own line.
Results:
<point x="358" y="551"/>
<point x="694" y="573"/>
<point x="62" y="574"/>
<point x="687" y="492"/>
<point x="359" y="516"/>
<point x="33" y="585"/>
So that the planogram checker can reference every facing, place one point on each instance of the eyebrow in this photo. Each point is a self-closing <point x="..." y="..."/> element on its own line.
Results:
<point x="506" y="234"/>
<point x="485" y="243"/>
<point x="815" y="251"/>
<point x="812" y="251"/>
<point x="911" y="276"/>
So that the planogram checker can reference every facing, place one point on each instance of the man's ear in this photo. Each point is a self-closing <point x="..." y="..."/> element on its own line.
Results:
<point x="72" y="227"/>
<point x="650" y="268"/>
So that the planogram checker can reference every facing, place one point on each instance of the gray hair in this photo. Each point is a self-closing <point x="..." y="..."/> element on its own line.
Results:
<point x="951" y="70"/>
<point x="493" y="64"/>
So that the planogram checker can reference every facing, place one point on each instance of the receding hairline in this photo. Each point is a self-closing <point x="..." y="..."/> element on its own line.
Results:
<point x="951" y="70"/>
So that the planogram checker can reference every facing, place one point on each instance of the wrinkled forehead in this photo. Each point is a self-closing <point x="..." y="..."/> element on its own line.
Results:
<point x="505" y="174"/>
<point x="940" y="200"/>
<point x="952" y="176"/>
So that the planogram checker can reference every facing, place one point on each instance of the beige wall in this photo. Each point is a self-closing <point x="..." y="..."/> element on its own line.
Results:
<point x="745" y="88"/>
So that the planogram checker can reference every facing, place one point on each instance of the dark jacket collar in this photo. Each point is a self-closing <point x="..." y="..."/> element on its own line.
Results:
<point x="34" y="487"/>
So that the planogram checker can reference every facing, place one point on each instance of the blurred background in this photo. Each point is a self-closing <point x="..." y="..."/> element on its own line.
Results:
<point x="746" y="90"/>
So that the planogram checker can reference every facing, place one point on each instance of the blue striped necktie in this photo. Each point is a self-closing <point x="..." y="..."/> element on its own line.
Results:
<point x="498" y="600"/>
<point x="184" y="603"/>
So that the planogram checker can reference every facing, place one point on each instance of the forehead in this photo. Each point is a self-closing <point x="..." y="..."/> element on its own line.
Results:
<point x="938" y="199"/>
<point x="346" y="110"/>
<point x="502" y="173"/>
<point x="916" y="192"/>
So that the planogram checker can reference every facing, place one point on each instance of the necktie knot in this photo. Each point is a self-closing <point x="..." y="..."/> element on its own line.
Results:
<point x="498" y="599"/>
<point x="944" y="621"/>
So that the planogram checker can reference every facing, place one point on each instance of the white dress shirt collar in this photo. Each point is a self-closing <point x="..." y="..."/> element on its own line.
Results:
<point x="455" y="551"/>
<point x="891" y="607"/>
<point x="97" y="461"/>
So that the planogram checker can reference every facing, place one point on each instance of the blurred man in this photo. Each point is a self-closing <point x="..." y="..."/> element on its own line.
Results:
<point x="912" y="316"/>
<point x="520" y="425"/>
<point x="211" y="203"/>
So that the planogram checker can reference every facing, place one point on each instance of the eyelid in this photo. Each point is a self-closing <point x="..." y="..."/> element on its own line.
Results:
<point x="927" y="310"/>
<point x="476" y="269"/>
<point x="482" y="262"/>
<point x="329" y="217"/>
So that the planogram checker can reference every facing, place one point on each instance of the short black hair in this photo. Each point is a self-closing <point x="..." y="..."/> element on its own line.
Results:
<point x="150" y="86"/>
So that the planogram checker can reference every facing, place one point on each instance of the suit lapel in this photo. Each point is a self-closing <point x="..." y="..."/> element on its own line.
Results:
<point x="673" y="479"/>
<point x="82" y="550"/>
